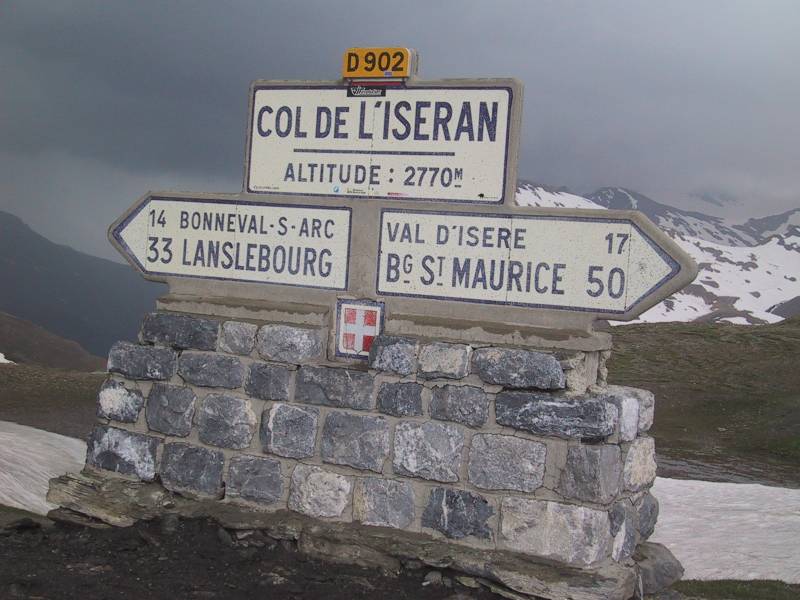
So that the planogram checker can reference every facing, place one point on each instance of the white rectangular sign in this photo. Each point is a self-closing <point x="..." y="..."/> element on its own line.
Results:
<point x="433" y="143"/>
<point x="304" y="246"/>
<point x="602" y="265"/>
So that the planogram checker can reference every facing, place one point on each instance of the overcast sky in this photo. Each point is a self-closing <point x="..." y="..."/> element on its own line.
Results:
<point x="102" y="101"/>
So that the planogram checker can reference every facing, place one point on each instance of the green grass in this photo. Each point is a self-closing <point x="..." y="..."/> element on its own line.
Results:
<point x="723" y="392"/>
<point x="738" y="590"/>
<point x="52" y="399"/>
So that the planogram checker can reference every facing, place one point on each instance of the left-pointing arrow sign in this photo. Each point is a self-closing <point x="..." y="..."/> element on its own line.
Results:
<point x="236" y="240"/>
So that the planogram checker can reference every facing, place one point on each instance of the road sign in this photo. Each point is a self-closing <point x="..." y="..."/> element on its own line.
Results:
<point x="366" y="63"/>
<point x="306" y="246"/>
<point x="579" y="263"/>
<point x="436" y="141"/>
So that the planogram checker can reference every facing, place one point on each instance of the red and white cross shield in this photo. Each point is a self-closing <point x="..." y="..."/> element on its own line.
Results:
<point x="360" y="322"/>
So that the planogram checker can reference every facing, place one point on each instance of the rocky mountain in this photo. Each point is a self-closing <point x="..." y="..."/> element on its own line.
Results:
<point x="749" y="272"/>
<point x="80" y="297"/>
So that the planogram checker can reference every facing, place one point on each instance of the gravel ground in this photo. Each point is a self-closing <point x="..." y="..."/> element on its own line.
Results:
<point x="174" y="559"/>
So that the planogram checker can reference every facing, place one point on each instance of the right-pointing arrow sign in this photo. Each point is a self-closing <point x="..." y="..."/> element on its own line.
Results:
<point x="606" y="265"/>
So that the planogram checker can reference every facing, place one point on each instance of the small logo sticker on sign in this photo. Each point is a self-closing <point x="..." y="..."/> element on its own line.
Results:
<point x="365" y="91"/>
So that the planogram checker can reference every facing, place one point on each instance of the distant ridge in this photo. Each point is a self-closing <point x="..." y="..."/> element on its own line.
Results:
<point x="24" y="342"/>
<point x="80" y="297"/>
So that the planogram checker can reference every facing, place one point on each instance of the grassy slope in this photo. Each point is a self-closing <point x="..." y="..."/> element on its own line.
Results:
<point x="26" y="342"/>
<point x="723" y="392"/>
<point x="51" y="399"/>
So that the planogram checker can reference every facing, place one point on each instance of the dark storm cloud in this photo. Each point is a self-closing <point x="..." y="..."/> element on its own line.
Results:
<point x="101" y="101"/>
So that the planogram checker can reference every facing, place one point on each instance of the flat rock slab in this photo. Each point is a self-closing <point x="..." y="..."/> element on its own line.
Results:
<point x="342" y="388"/>
<point x="560" y="416"/>
<point x="142" y="362"/>
<point x="124" y="502"/>
<point x="179" y="331"/>
<point x="516" y="368"/>
<point x="285" y="343"/>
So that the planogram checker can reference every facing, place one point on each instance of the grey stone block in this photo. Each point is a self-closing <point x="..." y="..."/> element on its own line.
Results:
<point x="268" y="382"/>
<point x="515" y="368"/>
<point x="460" y="403"/>
<point x="394" y="354"/>
<point x="288" y="344"/>
<point x="226" y="421"/>
<point x="567" y="533"/>
<point x="585" y="417"/>
<point x="170" y="409"/>
<point x="644" y="398"/>
<point x="647" y="507"/>
<point x="400" y="399"/>
<point x="237" y="338"/>
<point x="342" y="388"/>
<point x="505" y="462"/>
<point x="289" y="431"/>
<point x="319" y="493"/>
<point x="458" y="514"/>
<point x="639" y="470"/>
<point x="192" y="470"/>
<point x="211" y="370"/>
<point x="358" y="441"/>
<point x="122" y="452"/>
<point x="141" y="362"/>
<point x="384" y="502"/>
<point x="118" y="402"/>
<point x="179" y="331"/>
<point x="450" y="361"/>
<point x="592" y="473"/>
<point x="636" y="408"/>
<point x="625" y="529"/>
<point x="254" y="478"/>
<point x="658" y="567"/>
<point x="428" y="450"/>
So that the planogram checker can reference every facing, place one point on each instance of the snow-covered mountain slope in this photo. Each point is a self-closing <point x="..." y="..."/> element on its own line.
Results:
<point x="749" y="273"/>
<point x="735" y="284"/>
<point x="785" y="225"/>
<point x="532" y="194"/>
<point x="689" y="223"/>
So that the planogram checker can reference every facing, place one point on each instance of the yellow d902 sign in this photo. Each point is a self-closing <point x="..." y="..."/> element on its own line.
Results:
<point x="377" y="63"/>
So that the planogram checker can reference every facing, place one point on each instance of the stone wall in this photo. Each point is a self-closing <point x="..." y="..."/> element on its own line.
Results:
<point x="507" y="449"/>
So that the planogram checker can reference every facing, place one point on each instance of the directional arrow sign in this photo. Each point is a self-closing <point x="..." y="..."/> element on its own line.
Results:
<point x="595" y="264"/>
<point x="236" y="240"/>
<point x="484" y="264"/>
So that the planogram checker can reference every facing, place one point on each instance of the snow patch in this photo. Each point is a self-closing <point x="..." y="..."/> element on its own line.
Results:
<point x="736" y="321"/>
<point x="730" y="530"/>
<point x="528" y="195"/>
<point x="29" y="458"/>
